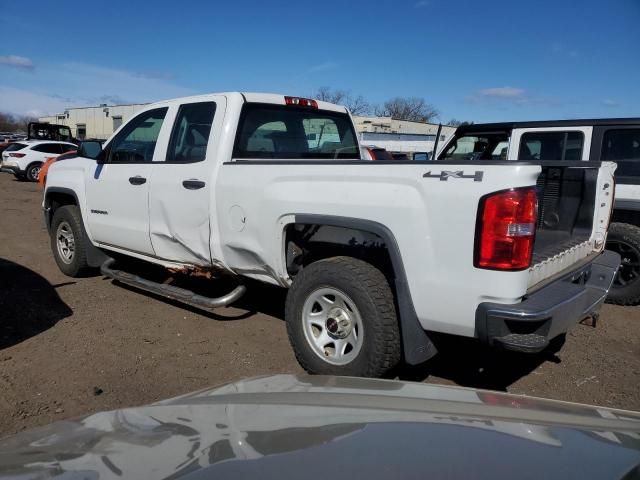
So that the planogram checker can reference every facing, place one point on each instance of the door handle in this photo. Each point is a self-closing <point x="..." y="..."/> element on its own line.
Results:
<point x="137" y="180"/>
<point x="193" y="184"/>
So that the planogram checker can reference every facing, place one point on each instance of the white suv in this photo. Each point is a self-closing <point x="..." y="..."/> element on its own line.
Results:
<point x="24" y="159"/>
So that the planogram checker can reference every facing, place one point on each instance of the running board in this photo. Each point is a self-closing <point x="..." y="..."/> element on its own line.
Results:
<point x="174" y="293"/>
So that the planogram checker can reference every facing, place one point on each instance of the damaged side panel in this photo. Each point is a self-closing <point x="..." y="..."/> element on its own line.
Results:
<point x="181" y="192"/>
<point x="181" y="234"/>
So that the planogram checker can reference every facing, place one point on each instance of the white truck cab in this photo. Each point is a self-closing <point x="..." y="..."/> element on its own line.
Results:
<point x="375" y="254"/>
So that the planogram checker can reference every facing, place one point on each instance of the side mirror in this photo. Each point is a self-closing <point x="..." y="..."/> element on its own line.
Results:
<point x="91" y="149"/>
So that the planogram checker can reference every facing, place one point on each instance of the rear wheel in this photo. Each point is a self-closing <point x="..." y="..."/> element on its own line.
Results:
<point x="341" y="319"/>
<point x="68" y="242"/>
<point x="624" y="238"/>
<point x="33" y="171"/>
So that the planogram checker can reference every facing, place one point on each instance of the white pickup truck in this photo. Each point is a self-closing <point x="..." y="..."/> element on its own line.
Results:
<point x="374" y="254"/>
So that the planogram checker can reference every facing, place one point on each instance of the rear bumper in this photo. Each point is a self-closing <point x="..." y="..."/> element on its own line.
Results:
<point x="11" y="169"/>
<point x="530" y="325"/>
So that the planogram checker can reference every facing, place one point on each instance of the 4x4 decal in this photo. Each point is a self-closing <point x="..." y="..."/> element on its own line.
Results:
<point x="446" y="174"/>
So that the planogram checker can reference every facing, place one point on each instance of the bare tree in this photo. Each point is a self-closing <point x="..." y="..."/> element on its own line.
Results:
<point x="326" y="94"/>
<point x="457" y="123"/>
<point x="14" y="123"/>
<point x="414" y="109"/>
<point x="356" y="105"/>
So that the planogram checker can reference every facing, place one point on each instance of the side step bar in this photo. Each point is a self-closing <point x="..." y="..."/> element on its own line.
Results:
<point x="169" y="291"/>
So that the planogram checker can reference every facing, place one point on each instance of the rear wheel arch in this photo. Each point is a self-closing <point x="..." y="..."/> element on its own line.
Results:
<point x="625" y="215"/>
<point x="369" y="241"/>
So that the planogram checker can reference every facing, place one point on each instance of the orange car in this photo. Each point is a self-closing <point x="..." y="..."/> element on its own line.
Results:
<point x="42" y="176"/>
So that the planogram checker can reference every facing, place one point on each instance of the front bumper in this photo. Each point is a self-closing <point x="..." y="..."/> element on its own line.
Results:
<point x="530" y="325"/>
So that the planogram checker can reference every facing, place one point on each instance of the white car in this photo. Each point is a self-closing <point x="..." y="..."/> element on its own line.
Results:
<point x="24" y="159"/>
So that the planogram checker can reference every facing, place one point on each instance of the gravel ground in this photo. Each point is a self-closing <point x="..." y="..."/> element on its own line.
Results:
<point x="74" y="346"/>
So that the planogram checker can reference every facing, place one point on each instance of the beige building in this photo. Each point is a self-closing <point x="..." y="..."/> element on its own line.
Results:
<point x="94" y="122"/>
<point x="401" y="136"/>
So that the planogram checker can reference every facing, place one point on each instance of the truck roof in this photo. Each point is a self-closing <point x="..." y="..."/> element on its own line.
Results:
<point x="475" y="127"/>
<point x="254" y="97"/>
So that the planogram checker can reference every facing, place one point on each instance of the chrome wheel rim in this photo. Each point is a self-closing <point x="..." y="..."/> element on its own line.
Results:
<point x="35" y="173"/>
<point x="332" y="326"/>
<point x="65" y="242"/>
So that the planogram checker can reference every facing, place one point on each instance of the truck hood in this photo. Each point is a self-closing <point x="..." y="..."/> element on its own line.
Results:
<point x="333" y="427"/>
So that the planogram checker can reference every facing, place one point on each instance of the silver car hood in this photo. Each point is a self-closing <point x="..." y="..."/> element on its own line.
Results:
<point x="333" y="427"/>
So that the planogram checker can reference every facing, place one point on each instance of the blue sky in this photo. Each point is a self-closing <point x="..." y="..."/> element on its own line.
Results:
<point x="480" y="61"/>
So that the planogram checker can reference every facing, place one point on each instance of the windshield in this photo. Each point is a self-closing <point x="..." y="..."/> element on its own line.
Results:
<point x="477" y="146"/>
<point x="276" y="131"/>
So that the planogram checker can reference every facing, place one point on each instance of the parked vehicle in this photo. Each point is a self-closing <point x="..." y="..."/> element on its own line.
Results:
<point x="399" y="156"/>
<point x="374" y="255"/>
<point x="374" y="153"/>
<point x="49" y="131"/>
<point x="24" y="159"/>
<point x="615" y="139"/>
<point x="287" y="427"/>
<point x="4" y="144"/>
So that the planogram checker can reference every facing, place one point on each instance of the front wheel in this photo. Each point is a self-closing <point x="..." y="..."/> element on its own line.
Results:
<point x="68" y="242"/>
<point x="624" y="238"/>
<point x="341" y="319"/>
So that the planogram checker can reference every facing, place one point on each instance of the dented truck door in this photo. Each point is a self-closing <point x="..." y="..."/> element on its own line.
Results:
<point x="181" y="197"/>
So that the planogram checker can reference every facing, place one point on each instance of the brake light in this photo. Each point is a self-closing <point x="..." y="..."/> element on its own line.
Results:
<point x="506" y="228"/>
<point x="301" y="102"/>
<point x="16" y="155"/>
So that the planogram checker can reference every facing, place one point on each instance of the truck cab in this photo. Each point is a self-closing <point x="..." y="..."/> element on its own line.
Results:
<point x="589" y="140"/>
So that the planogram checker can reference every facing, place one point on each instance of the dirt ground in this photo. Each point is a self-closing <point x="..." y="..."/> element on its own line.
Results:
<point x="73" y="346"/>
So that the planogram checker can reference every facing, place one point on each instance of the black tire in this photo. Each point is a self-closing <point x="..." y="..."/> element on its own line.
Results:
<point x="69" y="217"/>
<point x="624" y="239"/>
<point x="369" y="290"/>
<point x="32" y="171"/>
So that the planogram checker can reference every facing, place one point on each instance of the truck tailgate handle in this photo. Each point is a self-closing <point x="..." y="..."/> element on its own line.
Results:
<point x="137" y="180"/>
<point x="193" y="184"/>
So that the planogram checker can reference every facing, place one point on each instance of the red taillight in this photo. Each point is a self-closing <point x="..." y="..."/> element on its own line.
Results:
<point x="301" y="102"/>
<point x="17" y="155"/>
<point x="506" y="229"/>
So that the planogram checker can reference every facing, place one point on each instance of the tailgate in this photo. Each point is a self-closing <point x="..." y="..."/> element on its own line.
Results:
<point x="574" y="204"/>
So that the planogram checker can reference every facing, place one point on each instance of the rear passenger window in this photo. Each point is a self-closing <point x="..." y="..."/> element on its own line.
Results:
<point x="623" y="147"/>
<point x="551" y="146"/>
<point x="191" y="132"/>
<point x="53" y="148"/>
<point x="14" y="147"/>
<point x="274" y="131"/>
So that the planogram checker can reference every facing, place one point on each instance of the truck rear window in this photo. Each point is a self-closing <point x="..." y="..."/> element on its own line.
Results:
<point x="279" y="131"/>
